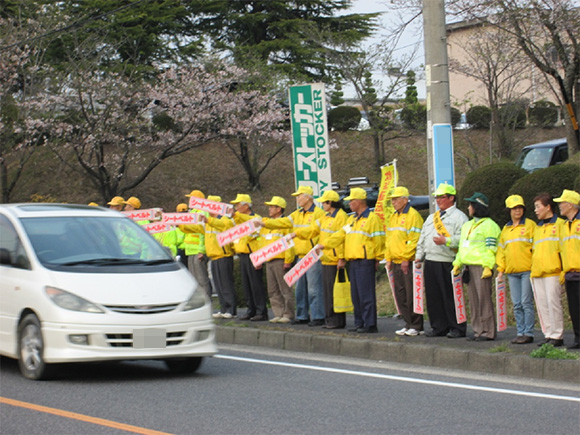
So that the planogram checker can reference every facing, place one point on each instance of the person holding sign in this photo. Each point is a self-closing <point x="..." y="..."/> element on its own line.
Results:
<point x="117" y="203"/>
<point x="194" y="243"/>
<point x="364" y="244"/>
<point x="514" y="258"/>
<point x="402" y="236"/>
<point x="332" y="258"/>
<point x="477" y="250"/>
<point x="436" y="250"/>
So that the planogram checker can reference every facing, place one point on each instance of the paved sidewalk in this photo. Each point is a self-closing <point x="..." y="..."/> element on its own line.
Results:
<point x="512" y="359"/>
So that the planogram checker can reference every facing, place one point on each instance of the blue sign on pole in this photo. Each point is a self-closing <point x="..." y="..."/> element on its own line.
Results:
<point x="443" y="154"/>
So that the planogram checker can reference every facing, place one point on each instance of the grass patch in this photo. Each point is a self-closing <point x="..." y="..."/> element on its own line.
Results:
<point x="500" y="348"/>
<point x="550" y="352"/>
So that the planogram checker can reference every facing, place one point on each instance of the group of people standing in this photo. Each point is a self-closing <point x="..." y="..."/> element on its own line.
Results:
<point x="537" y="259"/>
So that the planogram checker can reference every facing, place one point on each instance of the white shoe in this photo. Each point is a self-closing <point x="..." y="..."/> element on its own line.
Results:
<point x="284" y="320"/>
<point x="217" y="315"/>
<point x="401" y="331"/>
<point x="412" y="332"/>
<point x="275" y="320"/>
<point x="227" y="316"/>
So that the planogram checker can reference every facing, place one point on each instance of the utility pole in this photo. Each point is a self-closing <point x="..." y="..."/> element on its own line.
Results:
<point x="439" y="129"/>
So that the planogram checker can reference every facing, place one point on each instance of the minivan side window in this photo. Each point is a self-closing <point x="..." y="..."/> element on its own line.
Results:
<point x="12" y="251"/>
<point x="561" y="155"/>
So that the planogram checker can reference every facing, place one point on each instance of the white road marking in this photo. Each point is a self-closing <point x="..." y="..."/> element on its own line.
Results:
<point x="400" y="378"/>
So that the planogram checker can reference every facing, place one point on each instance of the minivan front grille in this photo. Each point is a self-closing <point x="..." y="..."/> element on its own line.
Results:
<point x="126" y="340"/>
<point x="142" y="309"/>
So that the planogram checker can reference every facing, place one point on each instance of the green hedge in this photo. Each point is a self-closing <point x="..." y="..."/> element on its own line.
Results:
<point x="344" y="118"/>
<point x="479" y="117"/>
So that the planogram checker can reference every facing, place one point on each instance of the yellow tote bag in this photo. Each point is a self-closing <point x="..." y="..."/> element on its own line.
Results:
<point x="341" y="292"/>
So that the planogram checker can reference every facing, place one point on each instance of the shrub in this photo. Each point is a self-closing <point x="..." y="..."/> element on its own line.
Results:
<point x="414" y="116"/>
<point x="543" y="114"/>
<point x="550" y="352"/>
<point x="344" y="118"/>
<point x="479" y="117"/>
<point x="513" y="115"/>
<point x="455" y="116"/>
<point x="552" y="180"/>
<point x="494" y="181"/>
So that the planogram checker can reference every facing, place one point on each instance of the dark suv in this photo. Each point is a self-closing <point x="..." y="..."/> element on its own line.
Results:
<point x="542" y="155"/>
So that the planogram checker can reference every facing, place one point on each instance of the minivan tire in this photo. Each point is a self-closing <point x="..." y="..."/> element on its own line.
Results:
<point x="184" y="365"/>
<point x="31" y="349"/>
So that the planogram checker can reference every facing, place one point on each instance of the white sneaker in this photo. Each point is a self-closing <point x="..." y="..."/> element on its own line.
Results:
<point x="284" y="320"/>
<point x="227" y="316"/>
<point x="401" y="331"/>
<point x="412" y="332"/>
<point x="275" y="320"/>
<point x="217" y="315"/>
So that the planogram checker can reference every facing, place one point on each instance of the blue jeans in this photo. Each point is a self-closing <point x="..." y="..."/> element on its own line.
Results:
<point x="310" y="294"/>
<point x="523" y="300"/>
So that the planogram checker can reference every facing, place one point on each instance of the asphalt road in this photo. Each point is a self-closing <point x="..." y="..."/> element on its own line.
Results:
<point x="260" y="391"/>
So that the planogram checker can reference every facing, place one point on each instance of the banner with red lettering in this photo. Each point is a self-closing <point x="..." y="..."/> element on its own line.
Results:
<point x="237" y="232"/>
<point x="148" y="214"/>
<point x="302" y="266"/>
<point x="271" y="250"/>
<point x="156" y="227"/>
<point x="391" y="276"/>
<point x="383" y="208"/>
<point x="458" y="298"/>
<point x="180" y="218"/>
<point x="418" y="290"/>
<point x="501" y="311"/>
<point x="213" y="207"/>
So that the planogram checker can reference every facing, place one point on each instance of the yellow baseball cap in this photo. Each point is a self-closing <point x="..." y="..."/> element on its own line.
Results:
<point x="307" y="190"/>
<point x="215" y="198"/>
<point x="93" y="204"/>
<point x="196" y="193"/>
<point x="445" y="189"/>
<point x="329" y="195"/>
<point x="242" y="197"/>
<point x="356" y="193"/>
<point x="569" y="196"/>
<point x="181" y="207"/>
<point x="134" y="202"/>
<point x="117" y="200"/>
<point x="277" y="201"/>
<point x="514" y="201"/>
<point x="399" y="191"/>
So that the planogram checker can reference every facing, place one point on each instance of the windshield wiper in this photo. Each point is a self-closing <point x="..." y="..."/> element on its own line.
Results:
<point x="156" y="262"/>
<point x="106" y="262"/>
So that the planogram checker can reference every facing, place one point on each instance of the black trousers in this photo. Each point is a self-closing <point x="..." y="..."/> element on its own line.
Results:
<point x="337" y="320"/>
<point x="573" y="293"/>
<point x="404" y="295"/>
<point x="222" y="271"/>
<point x="439" y="294"/>
<point x="253" y="284"/>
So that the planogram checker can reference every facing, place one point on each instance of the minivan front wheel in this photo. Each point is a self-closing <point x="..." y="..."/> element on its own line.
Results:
<point x="184" y="365"/>
<point x="31" y="349"/>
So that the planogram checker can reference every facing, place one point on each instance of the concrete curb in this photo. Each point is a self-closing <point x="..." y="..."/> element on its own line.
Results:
<point x="502" y="363"/>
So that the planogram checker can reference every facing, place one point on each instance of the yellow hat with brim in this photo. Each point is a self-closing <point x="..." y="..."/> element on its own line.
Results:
<point x="277" y="201"/>
<point x="307" y="190"/>
<point x="196" y="194"/>
<point x="134" y="202"/>
<point x="356" y="193"/>
<point x="93" y="204"/>
<point x="445" y="189"/>
<point x="242" y="197"/>
<point x="329" y="195"/>
<point x="215" y="198"/>
<point x="513" y="201"/>
<point x="117" y="200"/>
<point x="181" y="207"/>
<point x="399" y="191"/>
<point x="569" y="196"/>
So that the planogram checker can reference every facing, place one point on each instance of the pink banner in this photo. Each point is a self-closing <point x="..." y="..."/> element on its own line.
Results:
<point x="391" y="276"/>
<point x="156" y="227"/>
<point x="213" y="207"/>
<point x="180" y="218"/>
<point x="237" y="232"/>
<point x="142" y="215"/>
<point x="418" y="290"/>
<point x="500" y="304"/>
<point x="458" y="298"/>
<point x="302" y="266"/>
<point x="264" y="254"/>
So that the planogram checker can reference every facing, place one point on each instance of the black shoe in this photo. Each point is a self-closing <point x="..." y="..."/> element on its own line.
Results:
<point x="354" y="328"/>
<point x="484" y="338"/>
<point x="300" y="321"/>
<point x="434" y="334"/>
<point x="259" y="318"/>
<point x="555" y="342"/>
<point x="523" y="339"/>
<point x="333" y="327"/>
<point x="316" y="322"/>
<point x="455" y="334"/>
<point x="471" y="338"/>
<point x="246" y="317"/>
<point x="575" y="345"/>
<point x="545" y="341"/>
<point x="369" y="330"/>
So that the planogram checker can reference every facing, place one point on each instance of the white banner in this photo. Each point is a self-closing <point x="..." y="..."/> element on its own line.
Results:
<point x="302" y="267"/>
<point x="148" y="214"/>
<point x="418" y="290"/>
<point x="180" y="218"/>
<point x="264" y="254"/>
<point x="156" y="227"/>
<point x="500" y="304"/>
<point x="237" y="232"/>
<point x="458" y="298"/>
<point x="213" y="207"/>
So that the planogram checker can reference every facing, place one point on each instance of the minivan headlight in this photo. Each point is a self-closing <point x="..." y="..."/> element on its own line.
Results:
<point x="197" y="300"/>
<point x="68" y="301"/>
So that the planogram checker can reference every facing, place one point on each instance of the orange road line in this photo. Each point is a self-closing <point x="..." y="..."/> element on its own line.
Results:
<point x="81" y="417"/>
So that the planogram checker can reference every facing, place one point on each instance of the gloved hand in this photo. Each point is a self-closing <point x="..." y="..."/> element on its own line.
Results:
<point x="487" y="272"/>
<point x="562" y="278"/>
<point x="456" y="270"/>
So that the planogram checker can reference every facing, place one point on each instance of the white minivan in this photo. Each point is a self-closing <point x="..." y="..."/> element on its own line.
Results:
<point x="80" y="283"/>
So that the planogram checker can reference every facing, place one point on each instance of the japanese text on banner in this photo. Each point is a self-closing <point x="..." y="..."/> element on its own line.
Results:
<point x="142" y="215"/>
<point x="500" y="305"/>
<point x="180" y="218"/>
<point x="418" y="290"/>
<point x="271" y="250"/>
<point x="302" y="266"/>
<point x="213" y="207"/>
<point x="383" y="208"/>
<point x="156" y="227"/>
<point x="237" y="232"/>
<point x="458" y="298"/>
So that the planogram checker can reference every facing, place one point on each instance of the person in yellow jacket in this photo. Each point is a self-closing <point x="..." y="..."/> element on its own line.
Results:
<point x="402" y="236"/>
<point x="514" y="259"/>
<point x="477" y="250"/>
<point x="546" y="270"/>
<point x="194" y="243"/>
<point x="332" y="258"/>
<point x="309" y="291"/>
<point x="363" y="237"/>
<point x="180" y="235"/>
<point x="569" y="204"/>
<point x="222" y="259"/>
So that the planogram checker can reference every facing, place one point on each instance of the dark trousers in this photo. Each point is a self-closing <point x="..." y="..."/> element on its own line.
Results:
<point x="253" y="284"/>
<point x="439" y="294"/>
<point x="337" y="320"/>
<point x="222" y="271"/>
<point x="363" y="292"/>
<point x="404" y="295"/>
<point x="573" y="293"/>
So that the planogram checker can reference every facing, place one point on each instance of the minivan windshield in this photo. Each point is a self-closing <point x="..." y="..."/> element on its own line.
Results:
<point x="535" y="158"/>
<point x="94" y="241"/>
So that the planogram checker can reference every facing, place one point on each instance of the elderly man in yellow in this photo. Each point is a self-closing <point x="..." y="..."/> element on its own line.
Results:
<point x="403" y="232"/>
<point x="332" y="258"/>
<point x="569" y="204"/>
<point x="309" y="292"/>
<point x="364" y="243"/>
<point x="252" y="278"/>
<point x="222" y="264"/>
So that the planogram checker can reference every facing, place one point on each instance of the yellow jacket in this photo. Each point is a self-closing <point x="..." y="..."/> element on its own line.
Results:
<point x="210" y="230"/>
<point x="323" y="228"/>
<point x="363" y="237"/>
<point x="403" y="232"/>
<point x="194" y="243"/>
<point x="514" y="250"/>
<point x="268" y="236"/>
<point x="300" y="218"/>
<point x="570" y="244"/>
<point x="247" y="244"/>
<point x="546" y="251"/>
